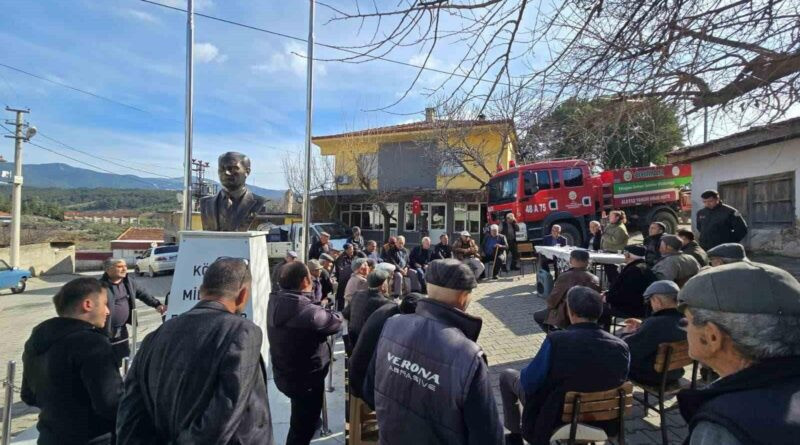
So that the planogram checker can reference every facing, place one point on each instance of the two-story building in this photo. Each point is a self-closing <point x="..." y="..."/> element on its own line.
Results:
<point x="442" y="165"/>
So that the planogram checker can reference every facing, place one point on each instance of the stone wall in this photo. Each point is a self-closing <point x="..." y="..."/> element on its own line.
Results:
<point x="44" y="258"/>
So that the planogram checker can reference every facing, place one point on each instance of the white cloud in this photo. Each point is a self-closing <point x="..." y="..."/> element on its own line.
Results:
<point x="207" y="52"/>
<point x="292" y="59"/>
<point x="139" y="15"/>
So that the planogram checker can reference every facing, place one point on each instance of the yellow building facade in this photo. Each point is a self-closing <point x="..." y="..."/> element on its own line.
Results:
<point x="443" y="164"/>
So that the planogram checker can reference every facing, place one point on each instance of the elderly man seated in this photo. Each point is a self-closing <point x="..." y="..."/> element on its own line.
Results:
<point x="743" y="321"/>
<point x="726" y="253"/>
<point x="553" y="239"/>
<point x="582" y="357"/>
<point x="663" y="326"/>
<point x="675" y="265"/>
<point x="494" y="249"/>
<point x="625" y="295"/>
<point x="466" y="251"/>
<point x="358" y="279"/>
<point x="417" y="262"/>
<point x="577" y="275"/>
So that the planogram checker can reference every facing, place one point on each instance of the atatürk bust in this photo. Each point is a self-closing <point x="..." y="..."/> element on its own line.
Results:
<point x="232" y="209"/>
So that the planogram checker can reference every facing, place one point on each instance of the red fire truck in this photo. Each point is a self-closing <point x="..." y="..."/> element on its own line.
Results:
<point x="568" y="193"/>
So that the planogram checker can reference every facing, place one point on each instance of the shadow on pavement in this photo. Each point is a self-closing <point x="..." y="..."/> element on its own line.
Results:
<point x="514" y="307"/>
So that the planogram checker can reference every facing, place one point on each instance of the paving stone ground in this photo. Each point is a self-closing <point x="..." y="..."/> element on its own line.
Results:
<point x="509" y="336"/>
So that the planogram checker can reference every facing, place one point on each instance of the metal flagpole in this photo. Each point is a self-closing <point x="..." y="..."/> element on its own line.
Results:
<point x="309" y="96"/>
<point x="187" y="154"/>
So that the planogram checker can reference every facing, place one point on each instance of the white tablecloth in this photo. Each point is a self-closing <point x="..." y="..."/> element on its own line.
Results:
<point x="562" y="253"/>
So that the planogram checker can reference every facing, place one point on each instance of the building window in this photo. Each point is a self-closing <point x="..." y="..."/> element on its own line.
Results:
<point x="763" y="201"/>
<point x="432" y="218"/>
<point x="417" y="223"/>
<point x="367" y="216"/>
<point x="467" y="217"/>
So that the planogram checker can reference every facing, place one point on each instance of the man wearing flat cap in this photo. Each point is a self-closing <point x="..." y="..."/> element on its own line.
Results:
<point x="431" y="378"/>
<point x="365" y="302"/>
<point x="675" y="265"/>
<point x="726" y="253"/>
<point x="743" y="321"/>
<point x="625" y="296"/>
<point x="662" y="326"/>
<point x="555" y="315"/>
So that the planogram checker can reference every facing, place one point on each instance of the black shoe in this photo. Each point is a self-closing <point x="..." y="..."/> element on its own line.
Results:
<point x="514" y="439"/>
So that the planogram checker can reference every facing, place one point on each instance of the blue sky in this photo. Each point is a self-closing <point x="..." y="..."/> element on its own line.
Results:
<point x="249" y="87"/>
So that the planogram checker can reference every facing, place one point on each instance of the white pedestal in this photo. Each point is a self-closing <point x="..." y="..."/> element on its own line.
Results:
<point x="198" y="249"/>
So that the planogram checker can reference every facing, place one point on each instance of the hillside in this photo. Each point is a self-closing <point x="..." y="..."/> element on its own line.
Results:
<point x="65" y="176"/>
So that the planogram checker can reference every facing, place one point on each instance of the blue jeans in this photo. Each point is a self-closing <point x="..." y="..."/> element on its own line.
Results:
<point x="417" y="276"/>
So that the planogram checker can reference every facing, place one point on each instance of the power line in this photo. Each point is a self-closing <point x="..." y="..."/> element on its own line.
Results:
<point x="80" y="90"/>
<point x="76" y="159"/>
<point x="326" y="45"/>
<point x="101" y="158"/>
<point x="123" y="104"/>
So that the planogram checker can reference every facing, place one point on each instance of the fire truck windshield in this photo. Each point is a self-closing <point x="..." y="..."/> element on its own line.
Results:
<point x="503" y="188"/>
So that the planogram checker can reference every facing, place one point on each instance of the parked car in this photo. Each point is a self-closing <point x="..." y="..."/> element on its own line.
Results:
<point x="157" y="260"/>
<point x="13" y="278"/>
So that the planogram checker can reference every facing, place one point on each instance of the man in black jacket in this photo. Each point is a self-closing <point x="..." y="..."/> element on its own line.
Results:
<point x="69" y="371"/>
<point x="691" y="247"/>
<point x="320" y="246"/>
<point x="625" y="296"/>
<point x="275" y="275"/>
<point x="200" y="378"/>
<point x="653" y="242"/>
<point x="719" y="223"/>
<point x="582" y="357"/>
<point x="362" y="385"/>
<point x="343" y="268"/>
<point x="298" y="331"/>
<point x="364" y="303"/>
<point x="643" y="337"/>
<point x="443" y="251"/>
<point x="431" y="379"/>
<point x="741" y="321"/>
<point x="122" y="295"/>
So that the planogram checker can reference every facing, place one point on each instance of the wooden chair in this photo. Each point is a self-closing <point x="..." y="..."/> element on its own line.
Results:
<point x="526" y="248"/>
<point x="582" y="407"/>
<point x="670" y="356"/>
<point x="363" y="425"/>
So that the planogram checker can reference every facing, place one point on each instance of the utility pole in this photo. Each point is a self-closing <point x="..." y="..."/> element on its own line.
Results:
<point x="189" y="118"/>
<point x="16" y="180"/>
<point x="199" y="188"/>
<point x="309" y="114"/>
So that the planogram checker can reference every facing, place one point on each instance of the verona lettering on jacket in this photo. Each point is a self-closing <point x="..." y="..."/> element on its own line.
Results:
<point x="425" y="397"/>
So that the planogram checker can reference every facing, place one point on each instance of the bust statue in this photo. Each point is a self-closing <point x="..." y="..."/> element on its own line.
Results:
<point x="234" y="208"/>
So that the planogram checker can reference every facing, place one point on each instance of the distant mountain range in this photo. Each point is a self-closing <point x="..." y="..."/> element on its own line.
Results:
<point x="66" y="176"/>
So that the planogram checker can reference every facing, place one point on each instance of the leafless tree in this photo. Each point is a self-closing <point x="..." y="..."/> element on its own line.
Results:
<point x="461" y="141"/>
<point x="741" y="57"/>
<point x="323" y="181"/>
